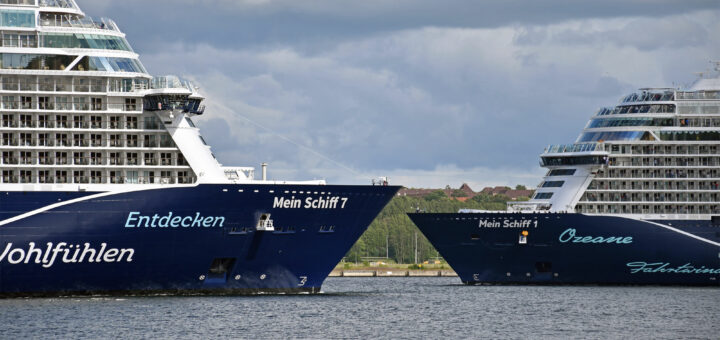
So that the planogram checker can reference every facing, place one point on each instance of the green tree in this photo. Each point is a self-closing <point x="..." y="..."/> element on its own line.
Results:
<point x="458" y="193"/>
<point x="435" y="196"/>
<point x="520" y="187"/>
<point x="393" y="233"/>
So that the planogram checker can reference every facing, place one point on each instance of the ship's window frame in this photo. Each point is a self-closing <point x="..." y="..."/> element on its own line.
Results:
<point x="552" y="184"/>
<point x="561" y="172"/>
<point x="543" y="195"/>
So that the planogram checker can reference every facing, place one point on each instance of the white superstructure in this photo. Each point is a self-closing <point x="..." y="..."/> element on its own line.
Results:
<point x="78" y="111"/>
<point x="652" y="156"/>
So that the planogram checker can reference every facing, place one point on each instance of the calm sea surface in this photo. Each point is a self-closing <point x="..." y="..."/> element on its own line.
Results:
<point x="381" y="308"/>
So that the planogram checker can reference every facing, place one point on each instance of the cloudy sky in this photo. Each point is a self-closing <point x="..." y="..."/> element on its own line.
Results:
<point x="430" y="93"/>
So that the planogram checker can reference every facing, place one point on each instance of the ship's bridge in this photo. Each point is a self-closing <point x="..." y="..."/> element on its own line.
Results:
<point x="571" y="167"/>
<point x="169" y="93"/>
<point x="574" y="154"/>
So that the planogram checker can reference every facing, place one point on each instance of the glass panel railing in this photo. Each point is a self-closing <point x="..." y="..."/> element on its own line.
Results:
<point x="170" y="82"/>
<point x="649" y="96"/>
<point x="57" y="3"/>
<point x="66" y="20"/>
<point x="699" y="95"/>
<point x="577" y="147"/>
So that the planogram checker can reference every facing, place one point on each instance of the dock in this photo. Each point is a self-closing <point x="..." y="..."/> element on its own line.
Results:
<point x="392" y="273"/>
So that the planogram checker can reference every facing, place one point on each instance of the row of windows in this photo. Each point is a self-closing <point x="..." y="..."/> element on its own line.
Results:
<point x="91" y="158"/>
<point x="67" y="103"/>
<point x="86" y="140"/>
<point x="615" y="136"/>
<point x="17" y="18"/>
<point x="613" y="122"/>
<point x="109" y="65"/>
<point x="60" y="62"/>
<point x="72" y="84"/>
<point x="690" y="136"/>
<point x="65" y="40"/>
<point x="632" y="109"/>
<point x="43" y="121"/>
<point x="582" y="160"/>
<point x="172" y="102"/>
<point x="650" y="197"/>
<point x="19" y="39"/>
<point x="543" y="195"/>
<point x="18" y="2"/>
<point x="664" y="149"/>
<point x="78" y="40"/>
<point x="97" y="177"/>
<point x="654" y="185"/>
<point x="648" y="173"/>
<point x="664" y="161"/>
<point x="648" y="209"/>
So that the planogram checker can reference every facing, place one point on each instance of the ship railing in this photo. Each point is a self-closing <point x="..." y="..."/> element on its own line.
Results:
<point x="236" y="173"/>
<point x="577" y="147"/>
<point x="698" y="95"/>
<point x="71" y="21"/>
<point x="171" y="82"/>
<point x="57" y="3"/>
<point x="528" y="206"/>
<point x="650" y="96"/>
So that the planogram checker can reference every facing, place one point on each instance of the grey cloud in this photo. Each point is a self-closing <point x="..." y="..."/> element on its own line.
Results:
<point x="641" y="33"/>
<point x="316" y="23"/>
<point x="382" y="96"/>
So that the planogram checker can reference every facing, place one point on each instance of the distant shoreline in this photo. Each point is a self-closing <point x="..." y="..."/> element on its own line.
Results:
<point x="390" y="272"/>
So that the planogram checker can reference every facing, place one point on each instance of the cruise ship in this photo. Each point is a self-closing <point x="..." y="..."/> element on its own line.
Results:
<point x="108" y="187"/>
<point x="635" y="200"/>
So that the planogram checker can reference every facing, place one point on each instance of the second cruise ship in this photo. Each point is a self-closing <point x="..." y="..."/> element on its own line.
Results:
<point x="107" y="186"/>
<point x="635" y="200"/>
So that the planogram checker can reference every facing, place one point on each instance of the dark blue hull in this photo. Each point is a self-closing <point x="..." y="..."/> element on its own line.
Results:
<point x="192" y="240"/>
<point x="574" y="249"/>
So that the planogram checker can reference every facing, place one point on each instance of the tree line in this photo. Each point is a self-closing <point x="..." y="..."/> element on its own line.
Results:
<point x="393" y="234"/>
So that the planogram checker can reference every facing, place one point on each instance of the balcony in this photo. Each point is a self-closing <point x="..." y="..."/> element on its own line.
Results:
<point x="10" y="160"/>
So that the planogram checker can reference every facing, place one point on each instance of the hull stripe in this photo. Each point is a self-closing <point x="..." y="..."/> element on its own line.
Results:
<point x="60" y="204"/>
<point x="682" y="232"/>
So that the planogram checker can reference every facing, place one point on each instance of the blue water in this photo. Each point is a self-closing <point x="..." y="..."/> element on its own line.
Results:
<point x="381" y="308"/>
